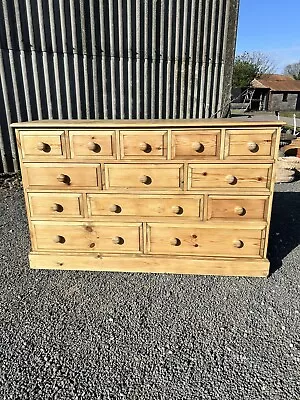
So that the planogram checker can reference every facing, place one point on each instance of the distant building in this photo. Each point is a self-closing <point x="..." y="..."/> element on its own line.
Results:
<point x="275" y="92"/>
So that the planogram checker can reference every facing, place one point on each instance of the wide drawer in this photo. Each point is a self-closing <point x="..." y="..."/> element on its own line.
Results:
<point x="144" y="176"/>
<point x="250" y="143"/>
<point x="78" y="236"/>
<point x="90" y="144"/>
<point x="143" y="144"/>
<point x="237" y="207"/>
<point x="43" y="145"/>
<point x="206" y="240"/>
<point x="144" y="205"/>
<point x="62" y="176"/>
<point x="229" y="176"/>
<point x="196" y="144"/>
<point x="55" y="205"/>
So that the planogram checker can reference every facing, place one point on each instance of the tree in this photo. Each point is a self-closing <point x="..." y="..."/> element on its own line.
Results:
<point x="293" y="70"/>
<point x="248" y="66"/>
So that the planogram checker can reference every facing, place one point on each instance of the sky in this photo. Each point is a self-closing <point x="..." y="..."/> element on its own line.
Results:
<point x="272" y="27"/>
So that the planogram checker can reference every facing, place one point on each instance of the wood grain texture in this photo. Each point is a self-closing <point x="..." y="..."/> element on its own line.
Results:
<point x="151" y="264"/>
<point x="204" y="240"/>
<point x="92" y="144"/>
<point x="195" y="144"/>
<point x="174" y="196"/>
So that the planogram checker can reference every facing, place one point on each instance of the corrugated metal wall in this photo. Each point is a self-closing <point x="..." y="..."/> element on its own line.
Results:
<point x="113" y="59"/>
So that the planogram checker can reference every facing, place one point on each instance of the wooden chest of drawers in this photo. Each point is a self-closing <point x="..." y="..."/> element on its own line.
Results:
<point x="178" y="196"/>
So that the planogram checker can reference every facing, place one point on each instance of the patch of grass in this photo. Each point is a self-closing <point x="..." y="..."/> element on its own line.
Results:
<point x="289" y="114"/>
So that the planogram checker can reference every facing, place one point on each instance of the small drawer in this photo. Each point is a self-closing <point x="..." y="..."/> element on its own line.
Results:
<point x="250" y="143"/>
<point x="207" y="240"/>
<point x="196" y="144"/>
<point x="91" y="144"/>
<point x="144" y="206"/>
<point x="62" y="176"/>
<point x="43" y="145"/>
<point x="229" y="176"/>
<point x="237" y="207"/>
<point x="55" y="205"/>
<point x="144" y="176"/>
<point x="78" y="236"/>
<point x="143" y="144"/>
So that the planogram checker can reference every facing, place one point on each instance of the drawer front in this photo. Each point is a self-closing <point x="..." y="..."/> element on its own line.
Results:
<point x="93" y="144"/>
<point x="99" y="237"/>
<point x="62" y="176"/>
<point x="249" y="144"/>
<point x="237" y="207"/>
<point x="229" y="176"/>
<point x="144" y="206"/>
<point x="193" y="144"/>
<point x="206" y="241"/>
<point x="144" y="176"/>
<point x="43" y="144"/>
<point x="55" y="205"/>
<point x="144" y="144"/>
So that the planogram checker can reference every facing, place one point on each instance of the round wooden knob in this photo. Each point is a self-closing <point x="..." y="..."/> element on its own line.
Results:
<point x="42" y="146"/>
<point x="114" y="208"/>
<point x="252" y="146"/>
<point x="197" y="146"/>
<point x="175" y="242"/>
<point x="238" y="244"/>
<point x="93" y="146"/>
<point x="145" y="179"/>
<point x="117" y="240"/>
<point x="63" y="178"/>
<point x="230" y="179"/>
<point x="145" y="146"/>
<point x="59" y="239"/>
<point x="239" y="210"/>
<point x="57" y="207"/>
<point x="176" y="209"/>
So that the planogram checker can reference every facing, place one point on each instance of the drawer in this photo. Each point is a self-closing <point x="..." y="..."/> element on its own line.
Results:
<point x="237" y="207"/>
<point x="207" y="240"/>
<point x="250" y="143"/>
<point x="143" y="144"/>
<point x="62" y="176"/>
<point x="144" y="176"/>
<point x="78" y="236"/>
<point x="144" y="206"/>
<point x="229" y="176"/>
<point x="43" y="145"/>
<point x="90" y="144"/>
<point x="193" y="144"/>
<point x="56" y="205"/>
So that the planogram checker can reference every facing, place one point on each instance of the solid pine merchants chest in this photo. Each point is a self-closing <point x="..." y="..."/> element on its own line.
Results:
<point x="178" y="196"/>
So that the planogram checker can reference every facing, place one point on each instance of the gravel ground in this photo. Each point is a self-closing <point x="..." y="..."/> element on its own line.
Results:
<point x="88" y="335"/>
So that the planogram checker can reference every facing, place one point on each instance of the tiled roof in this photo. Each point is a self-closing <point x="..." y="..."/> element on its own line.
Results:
<point x="275" y="82"/>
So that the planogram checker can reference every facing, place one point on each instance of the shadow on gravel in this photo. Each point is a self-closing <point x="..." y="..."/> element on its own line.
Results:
<point x="285" y="227"/>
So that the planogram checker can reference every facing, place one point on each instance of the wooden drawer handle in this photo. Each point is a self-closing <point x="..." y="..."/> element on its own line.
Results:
<point x="43" y="147"/>
<point x="175" y="242"/>
<point x="94" y="147"/>
<point x="197" y="146"/>
<point x="63" y="178"/>
<point x="57" y="207"/>
<point x="252" y="146"/>
<point x="177" y="210"/>
<point x="118" y="240"/>
<point x="114" y="208"/>
<point x="238" y="244"/>
<point x="145" y="179"/>
<point x="239" y="210"/>
<point x="145" y="147"/>
<point x="231" y="179"/>
<point x="59" y="239"/>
